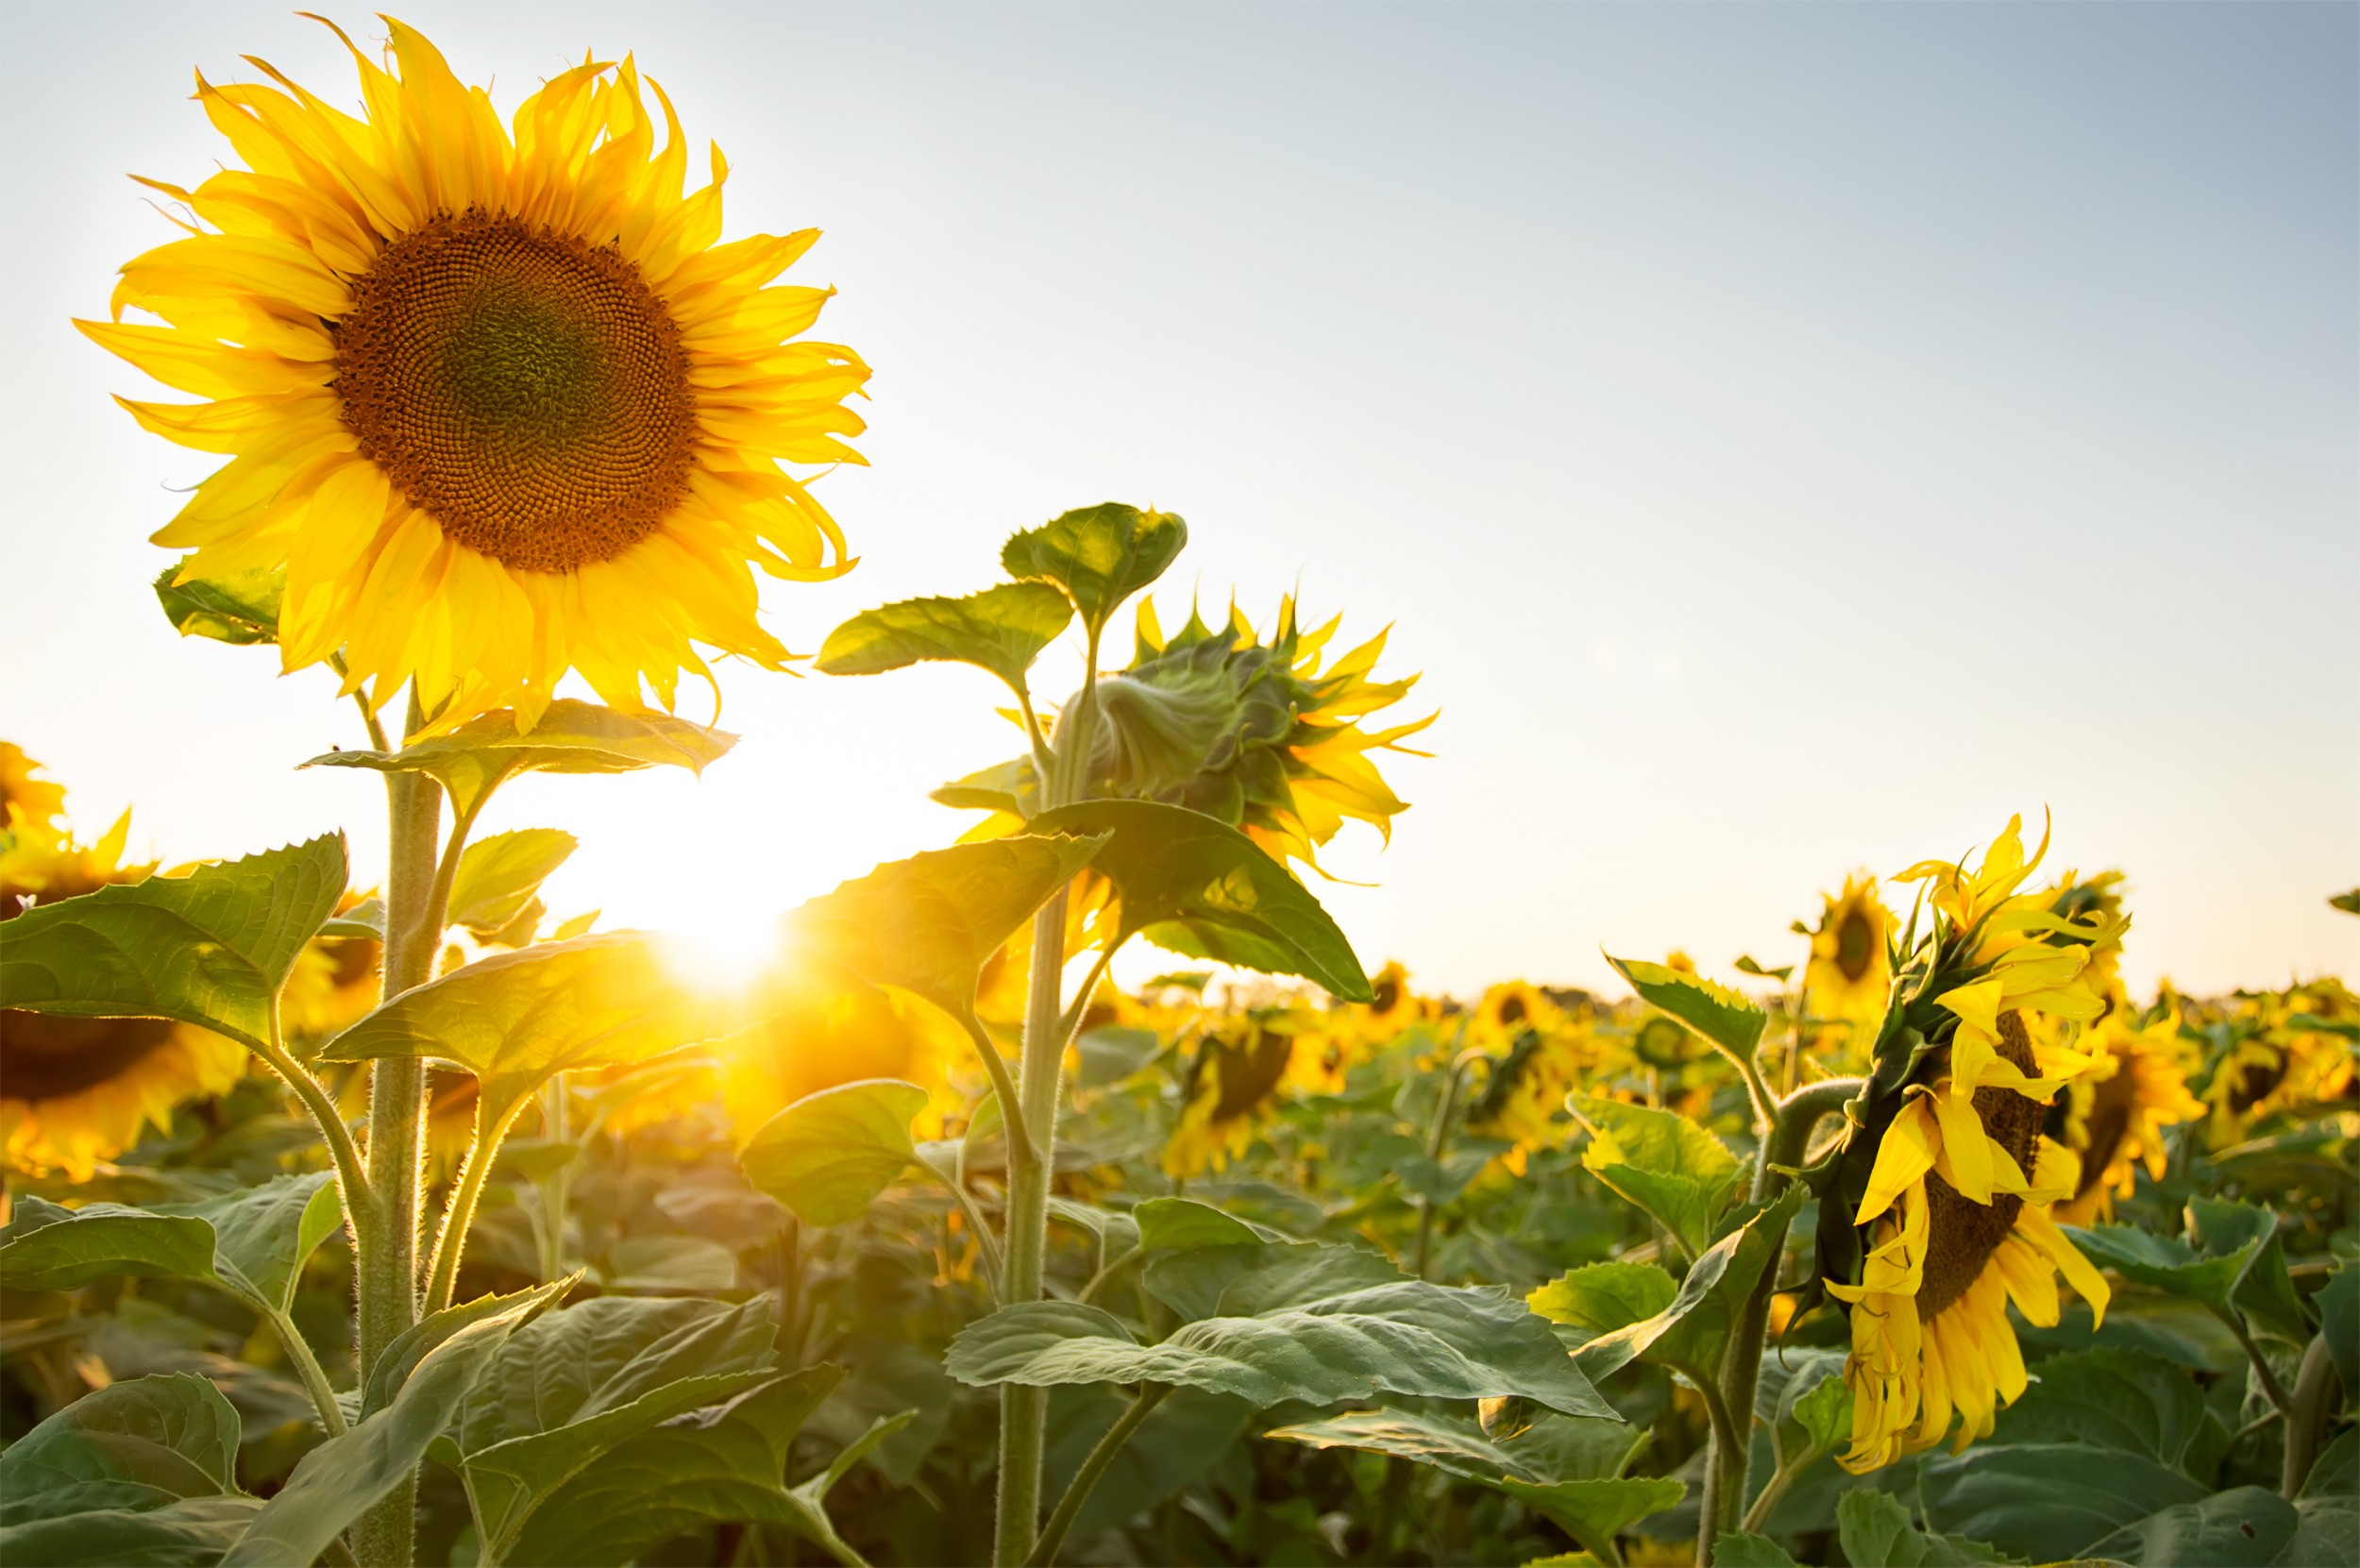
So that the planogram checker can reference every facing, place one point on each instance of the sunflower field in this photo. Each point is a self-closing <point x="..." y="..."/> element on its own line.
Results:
<point x="409" y="1223"/>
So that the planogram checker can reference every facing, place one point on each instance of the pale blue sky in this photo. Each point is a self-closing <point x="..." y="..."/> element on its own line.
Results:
<point x="1790" y="438"/>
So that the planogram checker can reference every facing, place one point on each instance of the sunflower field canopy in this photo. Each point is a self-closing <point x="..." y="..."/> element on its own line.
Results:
<point x="498" y="402"/>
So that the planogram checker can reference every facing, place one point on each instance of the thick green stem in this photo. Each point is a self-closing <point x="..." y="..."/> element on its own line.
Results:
<point x="1084" y="1480"/>
<point x="2315" y="1387"/>
<point x="1024" y="1412"/>
<point x="1717" y="1512"/>
<point x="450" y="1242"/>
<point x="1437" y="1142"/>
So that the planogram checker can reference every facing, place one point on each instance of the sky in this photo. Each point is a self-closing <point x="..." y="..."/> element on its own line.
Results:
<point x="1788" y="439"/>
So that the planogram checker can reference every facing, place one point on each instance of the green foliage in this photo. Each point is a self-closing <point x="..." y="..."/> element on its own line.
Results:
<point x="498" y="877"/>
<point x="514" y="1019"/>
<point x="1201" y="888"/>
<point x="1876" y="1529"/>
<point x="252" y="1242"/>
<point x="1665" y="1164"/>
<point x="211" y="949"/>
<point x="141" y="1471"/>
<point x="475" y="758"/>
<point x="1098" y="556"/>
<point x="1599" y="1298"/>
<point x="241" y="609"/>
<point x="829" y="1154"/>
<point x="1692" y="1333"/>
<point x="1716" y="1012"/>
<point x="1002" y="630"/>
<point x="928" y="924"/>
<point x="2241" y="1270"/>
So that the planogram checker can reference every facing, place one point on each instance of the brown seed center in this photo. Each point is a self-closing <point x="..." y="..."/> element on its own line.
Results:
<point x="1855" y="945"/>
<point x="2109" y="1120"/>
<point x="1962" y="1234"/>
<point x="46" y="1057"/>
<point x="524" y="388"/>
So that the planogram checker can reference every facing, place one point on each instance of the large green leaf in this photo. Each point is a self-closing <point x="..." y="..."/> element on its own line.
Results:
<point x="829" y="1154"/>
<point x="263" y="1235"/>
<point x="130" y="1445"/>
<point x="1744" y="1549"/>
<point x="1100" y="555"/>
<point x="212" y="947"/>
<point x="928" y="924"/>
<point x="2246" y="1527"/>
<point x="719" y="1466"/>
<point x="1199" y="886"/>
<point x="2047" y="1501"/>
<point x="516" y="1018"/>
<point x="1169" y="1224"/>
<point x="1714" y="1011"/>
<point x="573" y="1386"/>
<point x="412" y="1345"/>
<point x="1693" y="1332"/>
<point x="47" y="1247"/>
<point x="1876" y="1529"/>
<point x="242" y="608"/>
<point x="1002" y="630"/>
<point x="572" y="737"/>
<point x="2118" y="1399"/>
<point x="191" y="1530"/>
<point x="2166" y="1263"/>
<point x="2264" y="1292"/>
<point x="498" y="876"/>
<point x="1344" y="1339"/>
<point x="340" y="1479"/>
<point x="1247" y="1279"/>
<point x="1665" y="1164"/>
<point x="1600" y="1298"/>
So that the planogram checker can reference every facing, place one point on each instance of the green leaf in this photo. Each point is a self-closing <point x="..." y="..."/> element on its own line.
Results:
<point x="829" y="1154"/>
<point x="1198" y="886"/>
<point x="1600" y="1298"/>
<point x="516" y="1018"/>
<point x="2338" y="1303"/>
<point x="498" y="876"/>
<point x="928" y="924"/>
<point x="1693" y="1332"/>
<point x="2047" y="1501"/>
<point x="1594" y="1512"/>
<point x="1742" y="1549"/>
<point x="2166" y="1263"/>
<point x="2182" y="1332"/>
<point x="2246" y="1527"/>
<point x="573" y="1386"/>
<point x="1248" y="1279"/>
<point x="2118" y="1399"/>
<point x="50" y="1248"/>
<point x="1172" y="1224"/>
<point x="1714" y="1011"/>
<point x="719" y="1466"/>
<point x="1407" y="1336"/>
<point x="1876" y="1529"/>
<point x="340" y="1479"/>
<point x="669" y="1266"/>
<point x="2327" y="1530"/>
<point x="1109" y="1054"/>
<point x="263" y="1235"/>
<point x="2262" y="1291"/>
<point x="242" y="608"/>
<point x="1181" y="1443"/>
<point x="211" y="949"/>
<point x="403" y="1354"/>
<point x="134" y="1444"/>
<point x="191" y="1530"/>
<point x="572" y="737"/>
<point x="1100" y="555"/>
<point x="1665" y="1164"/>
<point x="1002" y="630"/>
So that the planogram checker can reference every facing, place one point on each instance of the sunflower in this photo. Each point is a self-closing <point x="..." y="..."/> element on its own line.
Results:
<point x="1851" y="964"/>
<point x="1229" y="1084"/>
<point x="2279" y="1059"/>
<point x="1935" y="1205"/>
<point x="493" y="399"/>
<point x="30" y="806"/>
<point x="2113" y="1116"/>
<point x="1395" y="1008"/>
<point x="73" y="1091"/>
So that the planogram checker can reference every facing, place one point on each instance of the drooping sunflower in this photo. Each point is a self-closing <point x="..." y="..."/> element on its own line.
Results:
<point x="494" y="398"/>
<point x="1851" y="965"/>
<point x="1234" y="1076"/>
<point x="2113" y="1116"/>
<point x="73" y="1091"/>
<point x="1935" y="1207"/>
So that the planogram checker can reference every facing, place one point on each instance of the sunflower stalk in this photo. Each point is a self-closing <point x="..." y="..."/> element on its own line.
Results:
<point x="2313" y="1396"/>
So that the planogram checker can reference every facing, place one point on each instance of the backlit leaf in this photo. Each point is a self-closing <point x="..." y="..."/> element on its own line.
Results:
<point x="242" y="608"/>
<point x="210" y="947"/>
<point x="497" y="876"/>
<point x="1100" y="555"/>
<point x="827" y="1156"/>
<point x="47" y="1247"/>
<point x="1002" y="630"/>
<point x="1717" y="1013"/>
<point x="572" y="737"/>
<point x="1665" y="1164"/>
<point x="1600" y="1298"/>
<point x="1199" y="886"/>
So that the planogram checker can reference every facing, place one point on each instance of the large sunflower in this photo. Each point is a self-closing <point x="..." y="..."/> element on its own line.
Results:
<point x="75" y="1091"/>
<point x="1935" y="1207"/>
<point x="493" y="397"/>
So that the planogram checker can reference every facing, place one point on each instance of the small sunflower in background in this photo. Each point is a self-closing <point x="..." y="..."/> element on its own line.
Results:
<point x="1935" y="1209"/>
<point x="494" y="398"/>
<point x="2284" y="1055"/>
<point x="29" y="804"/>
<point x="1232" y="1079"/>
<point x="1397" y="1004"/>
<point x="2113" y="1116"/>
<point x="1851" y="969"/>
<point x="75" y="1091"/>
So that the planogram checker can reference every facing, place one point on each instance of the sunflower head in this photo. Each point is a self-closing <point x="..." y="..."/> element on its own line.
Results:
<point x="2113" y="1115"/>
<point x="1508" y="1012"/>
<point x="75" y="1091"/>
<point x="495" y="404"/>
<point x="1234" y="1078"/>
<point x="2282" y="1051"/>
<point x="1851" y="964"/>
<point x="29" y="804"/>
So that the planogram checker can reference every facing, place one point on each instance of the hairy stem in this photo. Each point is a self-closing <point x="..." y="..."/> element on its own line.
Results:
<point x="351" y="1172"/>
<point x="1718" y="1510"/>
<point x="1086" y="1479"/>
<point x="450" y="1242"/>
<point x="307" y="1367"/>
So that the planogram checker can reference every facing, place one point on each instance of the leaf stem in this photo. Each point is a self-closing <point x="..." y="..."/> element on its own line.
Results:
<point x="2271" y="1388"/>
<point x="307" y="1368"/>
<point x="1084" y="1480"/>
<point x="351" y="1173"/>
<point x="450" y="1241"/>
<point x="2315" y="1385"/>
<point x="1003" y="1089"/>
<point x="1437" y="1140"/>
<point x="1110" y="1271"/>
<point x="1721" y="1476"/>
